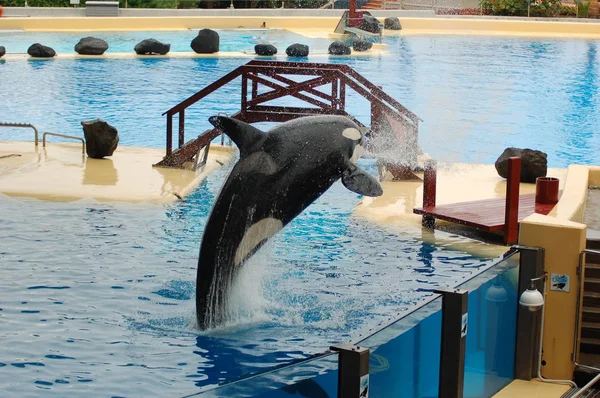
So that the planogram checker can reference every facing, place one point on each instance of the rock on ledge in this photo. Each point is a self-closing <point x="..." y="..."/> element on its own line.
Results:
<point x="370" y="24"/>
<point x="91" y="46"/>
<point x="101" y="139"/>
<point x="297" y="50"/>
<point x="392" y="23"/>
<point x="265" y="49"/>
<point x="534" y="164"/>
<point x="207" y="42"/>
<point x="152" y="46"/>
<point x="339" y="48"/>
<point x="39" y="51"/>
<point x="361" y="45"/>
<point x="2" y="51"/>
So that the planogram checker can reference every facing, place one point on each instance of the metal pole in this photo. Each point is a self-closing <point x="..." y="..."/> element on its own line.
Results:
<point x="531" y="266"/>
<point x="454" y="338"/>
<point x="511" y="214"/>
<point x="429" y="191"/>
<point x="353" y="371"/>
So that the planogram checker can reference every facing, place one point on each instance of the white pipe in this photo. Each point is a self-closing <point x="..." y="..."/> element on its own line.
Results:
<point x="585" y="388"/>
<point x="539" y="373"/>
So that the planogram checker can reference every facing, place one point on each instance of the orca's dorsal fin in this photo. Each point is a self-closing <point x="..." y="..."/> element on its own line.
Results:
<point x="244" y="135"/>
<point x="357" y="180"/>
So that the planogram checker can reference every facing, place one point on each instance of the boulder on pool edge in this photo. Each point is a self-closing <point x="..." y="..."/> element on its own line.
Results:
<point x="2" y="51"/>
<point x="534" y="163"/>
<point x="91" y="46"/>
<point x="392" y="23"/>
<point x="339" y="48"/>
<point x="101" y="139"/>
<point x="40" y="51"/>
<point x="361" y="45"/>
<point x="207" y="42"/>
<point x="151" y="46"/>
<point x="297" y="50"/>
<point x="370" y="24"/>
<point x="265" y="49"/>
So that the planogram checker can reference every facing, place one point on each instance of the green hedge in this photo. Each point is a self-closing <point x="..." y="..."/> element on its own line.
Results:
<point x="539" y="8"/>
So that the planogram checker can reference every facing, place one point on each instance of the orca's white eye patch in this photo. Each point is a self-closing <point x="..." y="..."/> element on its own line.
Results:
<point x="352" y="133"/>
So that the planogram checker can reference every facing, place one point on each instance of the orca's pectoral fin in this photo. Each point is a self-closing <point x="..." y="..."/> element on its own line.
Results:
<point x="243" y="134"/>
<point x="357" y="180"/>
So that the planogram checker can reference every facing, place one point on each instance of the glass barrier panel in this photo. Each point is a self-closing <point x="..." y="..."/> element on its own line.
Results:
<point x="405" y="356"/>
<point x="491" y="335"/>
<point x="315" y="378"/>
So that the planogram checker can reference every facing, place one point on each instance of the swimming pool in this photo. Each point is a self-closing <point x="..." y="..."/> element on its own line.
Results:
<point x="124" y="42"/>
<point x="98" y="299"/>
<point x="476" y="95"/>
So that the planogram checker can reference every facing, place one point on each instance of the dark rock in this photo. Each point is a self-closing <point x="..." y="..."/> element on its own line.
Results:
<point x="392" y="23"/>
<point x="297" y="50"/>
<point x="152" y="46"/>
<point x="40" y="51"/>
<point x="2" y="51"/>
<point x="370" y="24"/>
<point x="207" y="42"/>
<point x="534" y="164"/>
<point x="339" y="48"/>
<point x="91" y="46"/>
<point x="361" y="45"/>
<point x="265" y="49"/>
<point x="101" y="139"/>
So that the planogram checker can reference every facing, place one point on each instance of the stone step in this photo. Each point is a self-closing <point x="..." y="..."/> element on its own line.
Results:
<point x="589" y="345"/>
<point x="591" y="284"/>
<point x="590" y="330"/>
<point x="591" y="299"/>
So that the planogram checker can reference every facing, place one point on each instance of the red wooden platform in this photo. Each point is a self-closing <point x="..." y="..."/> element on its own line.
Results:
<point x="486" y="215"/>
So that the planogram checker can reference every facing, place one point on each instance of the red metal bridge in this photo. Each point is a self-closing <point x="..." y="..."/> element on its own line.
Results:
<point x="321" y="87"/>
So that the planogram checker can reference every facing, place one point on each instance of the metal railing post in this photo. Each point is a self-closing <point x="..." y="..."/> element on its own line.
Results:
<point x="429" y="191"/>
<point x="527" y="342"/>
<point x="454" y="338"/>
<point x="511" y="215"/>
<point x="169" y="133"/>
<point x="353" y="371"/>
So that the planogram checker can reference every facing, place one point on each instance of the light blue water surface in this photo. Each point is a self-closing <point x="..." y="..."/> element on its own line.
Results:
<point x="97" y="299"/>
<point x="476" y="95"/>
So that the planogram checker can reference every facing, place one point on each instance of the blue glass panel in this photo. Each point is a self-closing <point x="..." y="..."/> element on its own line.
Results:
<point x="491" y="335"/>
<point x="314" y="378"/>
<point x="405" y="356"/>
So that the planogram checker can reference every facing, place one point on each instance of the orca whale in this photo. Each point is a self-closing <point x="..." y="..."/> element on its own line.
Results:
<point x="279" y="173"/>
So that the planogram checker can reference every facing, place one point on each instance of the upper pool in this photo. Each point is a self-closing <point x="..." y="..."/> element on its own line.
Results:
<point x="123" y="42"/>
<point x="476" y="95"/>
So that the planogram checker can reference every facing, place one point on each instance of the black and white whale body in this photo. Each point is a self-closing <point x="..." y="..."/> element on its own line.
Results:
<point x="279" y="173"/>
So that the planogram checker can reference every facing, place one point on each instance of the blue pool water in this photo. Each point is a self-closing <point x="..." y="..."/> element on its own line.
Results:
<point x="476" y="95"/>
<point x="97" y="299"/>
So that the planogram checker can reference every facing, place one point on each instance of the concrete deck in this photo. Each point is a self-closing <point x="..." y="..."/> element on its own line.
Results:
<point x="455" y="183"/>
<point x="61" y="172"/>
<point x="532" y="389"/>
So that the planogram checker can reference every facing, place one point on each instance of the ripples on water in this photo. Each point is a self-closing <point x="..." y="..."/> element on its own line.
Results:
<point x="98" y="299"/>
<point x="476" y="95"/>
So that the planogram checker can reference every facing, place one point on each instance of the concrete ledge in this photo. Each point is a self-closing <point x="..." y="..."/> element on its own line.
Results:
<point x="60" y="172"/>
<point x="170" y="12"/>
<point x="571" y="205"/>
<point x="594" y="178"/>
<point x="327" y="20"/>
<point x="378" y="49"/>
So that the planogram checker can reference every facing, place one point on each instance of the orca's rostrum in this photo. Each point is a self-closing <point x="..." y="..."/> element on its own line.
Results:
<point x="279" y="173"/>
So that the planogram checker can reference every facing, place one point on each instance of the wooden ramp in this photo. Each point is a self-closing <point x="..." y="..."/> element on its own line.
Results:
<point x="486" y="215"/>
<point x="489" y="215"/>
